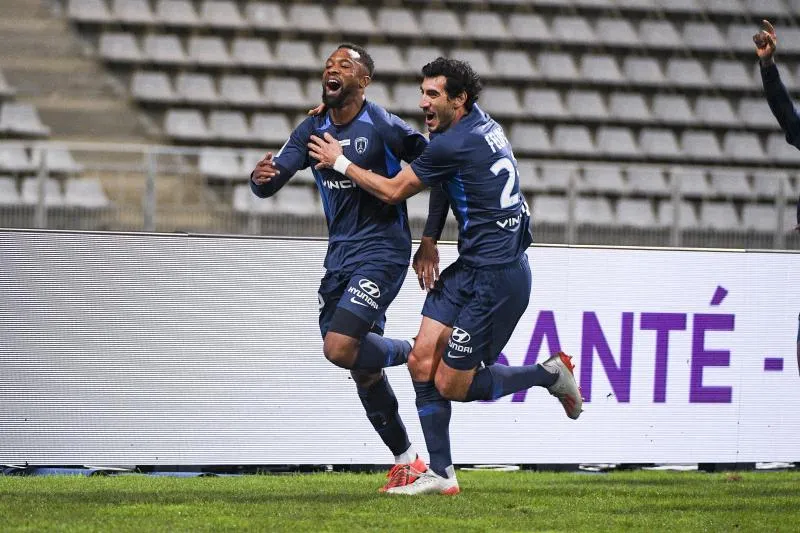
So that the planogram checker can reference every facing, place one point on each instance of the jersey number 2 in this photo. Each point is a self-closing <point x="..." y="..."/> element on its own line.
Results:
<point x="506" y="198"/>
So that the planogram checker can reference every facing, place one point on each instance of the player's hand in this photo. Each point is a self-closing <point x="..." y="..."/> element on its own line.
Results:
<point x="797" y="228"/>
<point x="325" y="150"/>
<point x="320" y="109"/>
<point x="265" y="170"/>
<point x="766" y="43"/>
<point x="426" y="263"/>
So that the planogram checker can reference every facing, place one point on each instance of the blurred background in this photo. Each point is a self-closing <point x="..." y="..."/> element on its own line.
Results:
<point x="634" y="122"/>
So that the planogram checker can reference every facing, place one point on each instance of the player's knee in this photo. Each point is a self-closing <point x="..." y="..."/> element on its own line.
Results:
<point x="420" y="365"/>
<point x="450" y="388"/>
<point x="366" y="378"/>
<point x="341" y="354"/>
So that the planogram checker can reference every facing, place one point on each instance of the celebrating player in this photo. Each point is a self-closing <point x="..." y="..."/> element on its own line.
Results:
<point x="369" y="240"/>
<point x="473" y="308"/>
<point x="777" y="96"/>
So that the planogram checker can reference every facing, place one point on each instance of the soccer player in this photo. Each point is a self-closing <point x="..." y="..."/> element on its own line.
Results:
<point x="472" y="310"/>
<point x="777" y="96"/>
<point x="369" y="240"/>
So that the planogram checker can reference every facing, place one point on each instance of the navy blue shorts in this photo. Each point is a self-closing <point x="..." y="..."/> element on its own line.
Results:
<point x="365" y="291"/>
<point x="483" y="305"/>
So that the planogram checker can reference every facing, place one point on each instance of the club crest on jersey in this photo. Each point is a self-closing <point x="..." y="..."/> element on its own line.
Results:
<point x="361" y="145"/>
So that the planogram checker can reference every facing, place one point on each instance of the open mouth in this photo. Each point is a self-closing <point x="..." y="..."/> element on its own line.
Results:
<point x="333" y="85"/>
<point x="429" y="117"/>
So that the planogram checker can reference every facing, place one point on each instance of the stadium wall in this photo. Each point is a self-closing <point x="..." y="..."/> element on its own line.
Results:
<point x="170" y="349"/>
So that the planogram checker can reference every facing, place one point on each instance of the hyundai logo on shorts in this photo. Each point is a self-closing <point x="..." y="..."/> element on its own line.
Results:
<point x="370" y="288"/>
<point x="460" y="336"/>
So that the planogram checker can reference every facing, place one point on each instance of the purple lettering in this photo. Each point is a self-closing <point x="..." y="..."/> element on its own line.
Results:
<point x="618" y="375"/>
<point x="545" y="328"/>
<point x="702" y="358"/>
<point x="662" y="323"/>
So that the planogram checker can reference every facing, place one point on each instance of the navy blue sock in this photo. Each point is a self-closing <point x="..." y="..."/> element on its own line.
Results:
<point x="377" y="352"/>
<point x="434" y="416"/>
<point x="496" y="381"/>
<point x="380" y="404"/>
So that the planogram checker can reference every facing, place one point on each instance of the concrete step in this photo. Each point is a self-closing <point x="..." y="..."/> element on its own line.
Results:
<point x="108" y="121"/>
<point x="71" y="78"/>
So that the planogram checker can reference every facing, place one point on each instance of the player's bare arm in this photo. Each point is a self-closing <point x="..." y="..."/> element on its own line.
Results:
<point x="265" y="170"/>
<point x="766" y="43"/>
<point x="426" y="263"/>
<point x="392" y="191"/>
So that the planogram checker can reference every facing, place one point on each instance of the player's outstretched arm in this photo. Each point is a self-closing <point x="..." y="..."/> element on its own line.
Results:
<point x="777" y="96"/>
<point x="392" y="191"/>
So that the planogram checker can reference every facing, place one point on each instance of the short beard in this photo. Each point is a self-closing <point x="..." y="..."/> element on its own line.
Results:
<point x="336" y="102"/>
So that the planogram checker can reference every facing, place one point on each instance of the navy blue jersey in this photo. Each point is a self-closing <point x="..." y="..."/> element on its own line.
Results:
<point x="360" y="226"/>
<point x="474" y="162"/>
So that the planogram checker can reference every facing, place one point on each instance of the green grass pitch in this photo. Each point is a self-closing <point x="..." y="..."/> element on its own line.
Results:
<point x="490" y="501"/>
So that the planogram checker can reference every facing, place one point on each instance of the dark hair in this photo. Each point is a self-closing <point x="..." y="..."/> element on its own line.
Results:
<point x="365" y="59"/>
<point x="460" y="78"/>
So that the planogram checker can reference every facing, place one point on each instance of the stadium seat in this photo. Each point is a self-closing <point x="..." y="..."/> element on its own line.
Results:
<point x="530" y="138"/>
<point x="483" y="25"/>
<point x="221" y="163"/>
<point x="58" y="159"/>
<point x="378" y="92"/>
<point x="790" y="37"/>
<point x="388" y="59"/>
<point x="8" y="191"/>
<point x="18" y="118"/>
<point x="119" y="47"/>
<point x="760" y="217"/>
<point x="529" y="28"/>
<point x="601" y="68"/>
<point x="251" y="52"/>
<point x="558" y="66"/>
<point x="730" y="183"/>
<point x="265" y="15"/>
<point x="6" y="90"/>
<point x="616" y="141"/>
<point x="687" y="73"/>
<point x="643" y="71"/>
<point x="681" y="6"/>
<point x="691" y="182"/>
<point x="767" y="184"/>
<point x="703" y="36"/>
<point x="133" y="11"/>
<point x="779" y="150"/>
<point x="419" y="56"/>
<point x="208" y="51"/>
<point x="86" y="193"/>
<point x="573" y="29"/>
<point x="550" y="209"/>
<point x="719" y="216"/>
<point x="417" y="205"/>
<point x="221" y="14"/>
<point x="287" y="92"/>
<point x="196" y="88"/>
<point x="688" y="215"/>
<point x="308" y="18"/>
<point x="477" y="59"/>
<point x="177" y="13"/>
<point x="593" y="3"/>
<point x="407" y="97"/>
<point x="741" y="146"/>
<point x="271" y="128"/>
<point x="630" y="107"/>
<point x="166" y="49"/>
<point x="240" y="90"/>
<point x="297" y="200"/>
<point x="659" y="143"/>
<point x="544" y="103"/>
<point x="186" y="124"/>
<point x="52" y="192"/>
<point x="244" y="201"/>
<point x="673" y="109"/>
<point x="700" y="145"/>
<point x="94" y="11"/>
<point x="725" y="7"/>
<point x="569" y="139"/>
<point x="603" y="178"/>
<point x="514" y="64"/>
<point x="354" y="20"/>
<point x="637" y="5"/>
<point x="616" y="32"/>
<point x="439" y="23"/>
<point x="740" y="37"/>
<point x="560" y="176"/>
<point x="297" y="55"/>
<point x="14" y="158"/>
<point x="501" y="101"/>
<point x="647" y="180"/>
<point x="153" y="87"/>
<point x="594" y="211"/>
<point x="756" y="112"/>
<point x="767" y="8"/>
<point x="528" y="176"/>
<point x="396" y="21"/>
<point x="731" y="74"/>
<point x="586" y="104"/>
<point x="230" y="126"/>
<point x="715" y="111"/>
<point x="660" y="34"/>
<point x="635" y="213"/>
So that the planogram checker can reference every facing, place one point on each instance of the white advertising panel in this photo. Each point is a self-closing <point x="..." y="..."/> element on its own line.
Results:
<point x="177" y="349"/>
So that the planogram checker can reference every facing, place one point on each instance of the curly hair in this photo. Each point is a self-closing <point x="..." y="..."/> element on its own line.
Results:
<point x="460" y="78"/>
<point x="364" y="57"/>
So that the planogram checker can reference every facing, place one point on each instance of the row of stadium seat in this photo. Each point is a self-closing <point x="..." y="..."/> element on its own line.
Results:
<point x="555" y="66"/>
<point x="21" y="120"/>
<point x="14" y="158"/>
<point x="78" y="192"/>
<point x="433" y="23"/>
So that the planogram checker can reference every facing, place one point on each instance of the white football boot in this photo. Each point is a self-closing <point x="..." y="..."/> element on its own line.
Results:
<point x="565" y="388"/>
<point x="429" y="482"/>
